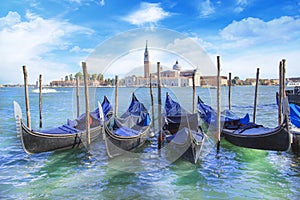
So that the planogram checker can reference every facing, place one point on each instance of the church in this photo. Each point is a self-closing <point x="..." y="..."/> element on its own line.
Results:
<point x="175" y="77"/>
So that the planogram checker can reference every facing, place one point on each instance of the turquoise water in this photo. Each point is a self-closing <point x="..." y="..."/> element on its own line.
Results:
<point x="234" y="172"/>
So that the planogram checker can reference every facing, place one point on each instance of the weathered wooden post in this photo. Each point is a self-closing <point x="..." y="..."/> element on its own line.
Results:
<point x="26" y="97"/>
<point x="255" y="95"/>
<point x="229" y="92"/>
<point x="77" y="96"/>
<point x="116" y="95"/>
<point x="87" y="105"/>
<point x="279" y="96"/>
<point x="286" y="105"/>
<point x="152" y="103"/>
<point x="159" y="107"/>
<point x="40" y="100"/>
<point x="218" y="105"/>
<point x="194" y="94"/>
<point x="283" y="78"/>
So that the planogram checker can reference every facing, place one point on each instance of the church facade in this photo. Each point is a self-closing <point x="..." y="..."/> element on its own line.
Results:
<point x="174" y="77"/>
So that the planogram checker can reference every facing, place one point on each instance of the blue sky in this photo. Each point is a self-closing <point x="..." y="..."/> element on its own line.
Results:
<point x="53" y="37"/>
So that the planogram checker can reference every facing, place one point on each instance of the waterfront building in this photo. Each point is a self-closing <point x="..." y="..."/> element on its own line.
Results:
<point x="174" y="77"/>
<point x="212" y="80"/>
<point x="64" y="83"/>
<point x="147" y="64"/>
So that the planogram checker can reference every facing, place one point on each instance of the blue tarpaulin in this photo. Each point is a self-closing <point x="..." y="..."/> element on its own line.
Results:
<point x="136" y="115"/>
<point x="106" y="107"/>
<point x="175" y="114"/>
<point x="209" y="115"/>
<point x="295" y="114"/>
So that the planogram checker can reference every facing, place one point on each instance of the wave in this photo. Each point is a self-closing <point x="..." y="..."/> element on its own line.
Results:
<point x="45" y="90"/>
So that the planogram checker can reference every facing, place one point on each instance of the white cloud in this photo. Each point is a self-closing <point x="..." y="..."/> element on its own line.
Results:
<point x="241" y="5"/>
<point x="242" y="2"/>
<point x="102" y="3"/>
<point x="77" y="49"/>
<point x="252" y="42"/>
<point x="238" y="9"/>
<point x="206" y="8"/>
<point x="87" y="2"/>
<point x="12" y="18"/>
<point x="75" y="1"/>
<point x="148" y="13"/>
<point x="254" y="31"/>
<point x="30" y="42"/>
<point x="245" y="65"/>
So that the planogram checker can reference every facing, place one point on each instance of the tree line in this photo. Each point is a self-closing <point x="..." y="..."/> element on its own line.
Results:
<point x="93" y="77"/>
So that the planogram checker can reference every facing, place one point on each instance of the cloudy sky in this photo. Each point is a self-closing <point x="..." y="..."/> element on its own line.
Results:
<point x="52" y="37"/>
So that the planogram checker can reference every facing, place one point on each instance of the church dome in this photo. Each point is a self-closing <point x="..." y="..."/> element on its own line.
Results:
<point x="176" y="66"/>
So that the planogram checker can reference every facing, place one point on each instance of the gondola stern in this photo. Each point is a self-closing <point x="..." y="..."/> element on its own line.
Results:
<point x="200" y="100"/>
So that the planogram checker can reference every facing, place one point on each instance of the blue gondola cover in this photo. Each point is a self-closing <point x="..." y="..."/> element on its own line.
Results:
<point x="295" y="114"/>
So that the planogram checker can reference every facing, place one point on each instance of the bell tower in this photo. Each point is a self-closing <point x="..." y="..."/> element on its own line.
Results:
<point x="146" y="62"/>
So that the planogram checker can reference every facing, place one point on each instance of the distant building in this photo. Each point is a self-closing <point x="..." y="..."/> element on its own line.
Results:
<point x="270" y="81"/>
<point x="213" y="81"/>
<point x="147" y="64"/>
<point x="170" y="78"/>
<point x="62" y="83"/>
<point x="252" y="81"/>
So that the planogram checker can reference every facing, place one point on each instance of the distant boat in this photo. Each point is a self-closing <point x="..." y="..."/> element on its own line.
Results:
<point x="183" y="134"/>
<point x="241" y="132"/>
<point x="209" y="86"/>
<point x="128" y="132"/>
<point x="44" y="90"/>
<point x="66" y="136"/>
<point x="294" y="95"/>
<point x="292" y="84"/>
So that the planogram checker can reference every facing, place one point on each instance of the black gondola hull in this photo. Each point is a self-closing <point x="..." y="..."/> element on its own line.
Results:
<point x="118" y="145"/>
<point x="37" y="142"/>
<point x="277" y="139"/>
<point x="296" y="142"/>
<point x="190" y="150"/>
<point x="184" y="135"/>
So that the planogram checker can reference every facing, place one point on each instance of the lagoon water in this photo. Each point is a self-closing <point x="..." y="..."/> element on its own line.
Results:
<point x="234" y="172"/>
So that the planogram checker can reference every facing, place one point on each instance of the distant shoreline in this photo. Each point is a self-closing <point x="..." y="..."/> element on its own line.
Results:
<point x="47" y="86"/>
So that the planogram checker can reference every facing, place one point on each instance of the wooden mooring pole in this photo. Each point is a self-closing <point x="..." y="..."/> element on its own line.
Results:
<point x="40" y="100"/>
<point x="218" y="105"/>
<point x="283" y="78"/>
<point x="152" y="104"/>
<point x="26" y="97"/>
<point x="159" y="107"/>
<point x="285" y="105"/>
<point x="87" y="105"/>
<point x="279" y="96"/>
<point x="77" y="96"/>
<point x="255" y="95"/>
<point x="229" y="92"/>
<point x="194" y="94"/>
<point x="116" y="95"/>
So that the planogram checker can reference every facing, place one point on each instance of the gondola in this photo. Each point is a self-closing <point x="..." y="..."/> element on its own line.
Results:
<point x="183" y="134"/>
<point x="129" y="131"/>
<point x="295" y="131"/>
<point x="66" y="136"/>
<point x="241" y="132"/>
